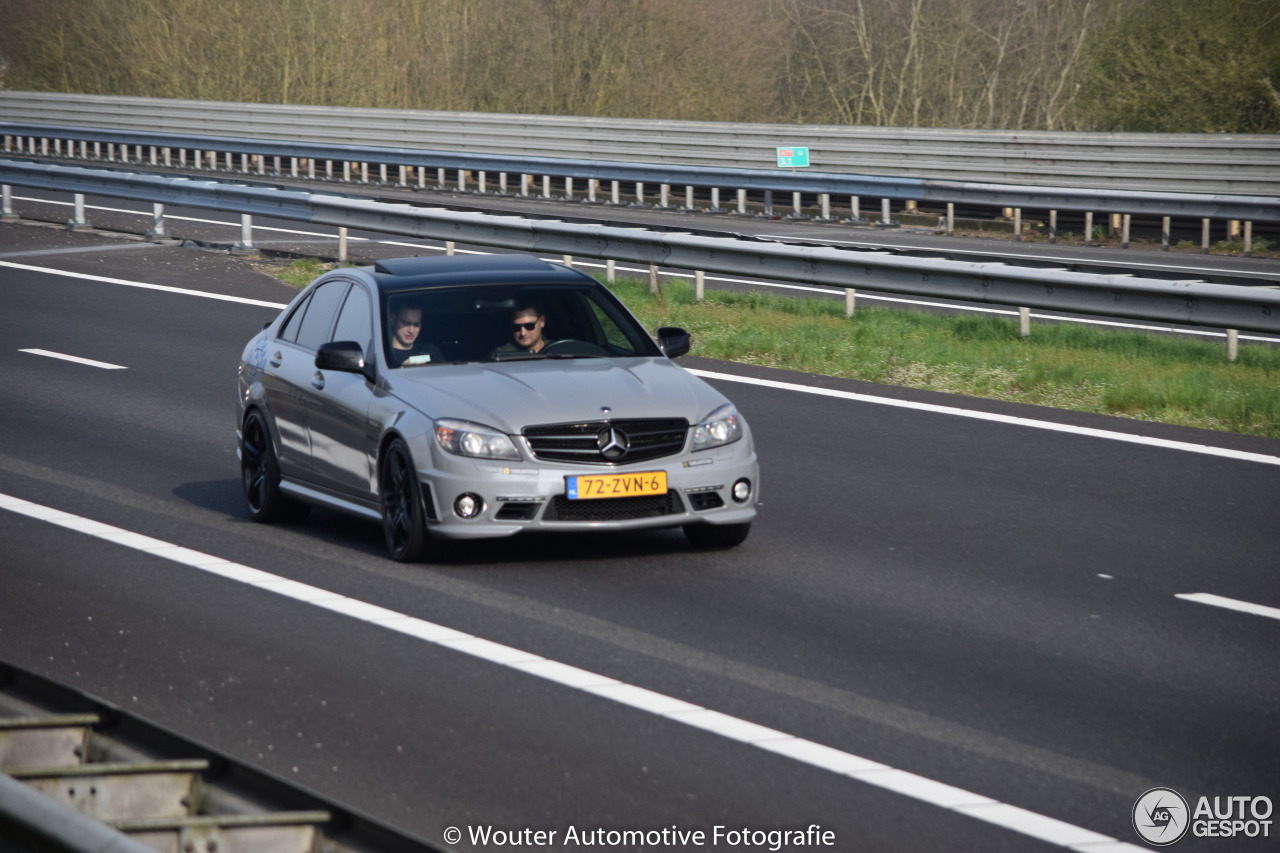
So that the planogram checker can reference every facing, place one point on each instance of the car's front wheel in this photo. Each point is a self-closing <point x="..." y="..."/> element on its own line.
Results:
<point x="702" y="535"/>
<point x="403" y="524"/>
<point x="260" y="475"/>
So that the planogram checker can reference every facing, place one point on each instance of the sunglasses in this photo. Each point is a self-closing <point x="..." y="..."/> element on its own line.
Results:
<point x="528" y="327"/>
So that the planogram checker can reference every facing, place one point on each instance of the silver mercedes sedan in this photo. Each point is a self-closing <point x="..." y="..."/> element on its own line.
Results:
<point x="484" y="396"/>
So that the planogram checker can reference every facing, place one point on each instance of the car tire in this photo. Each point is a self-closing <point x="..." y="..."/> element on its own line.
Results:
<point x="260" y="475"/>
<point x="403" y="524"/>
<point x="702" y="535"/>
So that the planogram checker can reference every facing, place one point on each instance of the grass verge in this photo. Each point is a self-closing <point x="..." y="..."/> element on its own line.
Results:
<point x="1137" y="375"/>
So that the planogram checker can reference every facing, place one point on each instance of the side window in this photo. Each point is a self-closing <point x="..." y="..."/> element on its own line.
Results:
<point x="290" y="330"/>
<point x="319" y="318"/>
<point x="355" y="322"/>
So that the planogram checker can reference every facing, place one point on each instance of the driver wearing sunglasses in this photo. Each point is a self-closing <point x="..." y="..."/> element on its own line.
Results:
<point x="526" y="330"/>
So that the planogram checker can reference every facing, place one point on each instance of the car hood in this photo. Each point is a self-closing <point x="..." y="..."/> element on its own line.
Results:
<point x="513" y="395"/>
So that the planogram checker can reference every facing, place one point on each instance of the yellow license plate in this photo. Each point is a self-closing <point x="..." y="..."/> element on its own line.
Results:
<point x="616" y="485"/>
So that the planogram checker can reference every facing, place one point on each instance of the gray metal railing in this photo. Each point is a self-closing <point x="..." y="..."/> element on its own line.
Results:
<point x="1191" y="302"/>
<point x="1213" y="164"/>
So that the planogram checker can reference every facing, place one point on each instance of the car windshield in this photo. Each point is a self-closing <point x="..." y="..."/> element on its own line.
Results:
<point x="487" y="323"/>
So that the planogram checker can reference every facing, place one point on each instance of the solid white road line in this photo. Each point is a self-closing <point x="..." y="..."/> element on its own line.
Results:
<point x="144" y="285"/>
<point x="784" y="386"/>
<point x="105" y="365"/>
<point x="874" y="773"/>
<point x="1150" y="441"/>
<point x="1230" y="604"/>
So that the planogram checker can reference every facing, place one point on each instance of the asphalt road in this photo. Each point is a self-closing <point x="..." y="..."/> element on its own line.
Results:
<point x="989" y="604"/>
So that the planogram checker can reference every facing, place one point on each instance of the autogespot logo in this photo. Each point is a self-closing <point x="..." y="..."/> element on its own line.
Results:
<point x="1160" y="816"/>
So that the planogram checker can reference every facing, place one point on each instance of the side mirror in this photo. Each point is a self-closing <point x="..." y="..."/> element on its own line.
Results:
<point x="344" y="356"/>
<point x="673" y="341"/>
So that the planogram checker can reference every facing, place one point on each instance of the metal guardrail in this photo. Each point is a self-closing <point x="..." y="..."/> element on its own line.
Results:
<point x="1213" y="164"/>
<point x="1175" y="204"/>
<point x="1189" y="302"/>
<point x="80" y="776"/>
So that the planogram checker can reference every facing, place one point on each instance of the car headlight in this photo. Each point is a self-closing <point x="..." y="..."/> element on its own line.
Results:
<point x="464" y="438"/>
<point x="723" y="426"/>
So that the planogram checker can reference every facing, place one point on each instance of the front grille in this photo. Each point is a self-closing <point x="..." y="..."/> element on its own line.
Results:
<point x="706" y="500"/>
<point x="612" y="509"/>
<point x="647" y="438"/>
<point x="517" y="511"/>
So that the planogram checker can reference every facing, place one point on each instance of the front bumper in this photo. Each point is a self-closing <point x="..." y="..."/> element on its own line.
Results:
<point x="519" y="497"/>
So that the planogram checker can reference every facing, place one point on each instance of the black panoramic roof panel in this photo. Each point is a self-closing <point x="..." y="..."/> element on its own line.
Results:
<point x="452" y="270"/>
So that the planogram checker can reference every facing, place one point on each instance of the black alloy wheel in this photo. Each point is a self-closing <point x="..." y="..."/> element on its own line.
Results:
<point x="403" y="524"/>
<point x="260" y="475"/>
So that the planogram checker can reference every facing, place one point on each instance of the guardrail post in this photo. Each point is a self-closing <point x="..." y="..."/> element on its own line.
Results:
<point x="198" y="158"/>
<point x="568" y="188"/>
<point x="450" y="248"/>
<point x="293" y="167"/>
<point x="462" y="180"/>
<point x="1164" y="234"/>
<point x="688" y="198"/>
<point x="441" y="180"/>
<point x="614" y="190"/>
<point x="1024" y="321"/>
<point x="246" y="231"/>
<point x="422" y="177"/>
<point x="664" y="196"/>
<point x="262" y="164"/>
<point x="346" y="171"/>
<point x="364" y="172"/>
<point x="850" y="299"/>
<point x="951" y="220"/>
<point x="182" y="155"/>
<point x="1204" y="236"/>
<point x="342" y="244"/>
<point x="8" y="143"/>
<point x="230" y="167"/>
<point x="639" y="194"/>
<point x="524" y="185"/>
<point x="157" y="232"/>
<point x="855" y="209"/>
<point x="154" y="161"/>
<point x="653" y="278"/>
<point x="1017" y="224"/>
<point x="1248" y="238"/>
<point x="79" y="223"/>
<point x="6" y="204"/>
<point x="546" y="186"/>
<point x="482" y="184"/>
<point x="742" y="202"/>
<point x="84" y="151"/>
<point x="699" y="285"/>
<point x="568" y="261"/>
<point x="44" y="146"/>
<point x="795" y="205"/>
<point x="1233" y="344"/>
<point x="884" y="212"/>
<point x="768" y="203"/>
<point x="592" y="186"/>
<point x="611" y="269"/>
<point x="715" y="199"/>
<point x="1124" y="231"/>
<point x="1088" y="228"/>
<point x="311" y="168"/>
<point x="502" y="183"/>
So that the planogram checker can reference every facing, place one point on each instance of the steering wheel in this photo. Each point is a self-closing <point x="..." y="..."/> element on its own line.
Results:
<point x="571" y="346"/>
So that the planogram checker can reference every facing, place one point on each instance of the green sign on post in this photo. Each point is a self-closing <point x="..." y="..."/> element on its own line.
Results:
<point x="790" y="158"/>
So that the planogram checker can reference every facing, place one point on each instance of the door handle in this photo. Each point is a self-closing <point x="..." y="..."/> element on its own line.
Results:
<point x="317" y="381"/>
<point x="275" y="359"/>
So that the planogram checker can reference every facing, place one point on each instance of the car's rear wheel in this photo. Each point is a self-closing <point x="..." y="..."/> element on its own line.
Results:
<point x="403" y="524"/>
<point x="702" y="535"/>
<point x="260" y="475"/>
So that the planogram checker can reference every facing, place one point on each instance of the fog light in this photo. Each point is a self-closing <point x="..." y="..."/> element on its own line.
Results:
<point x="468" y="506"/>
<point x="742" y="490"/>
